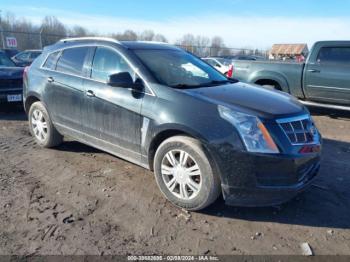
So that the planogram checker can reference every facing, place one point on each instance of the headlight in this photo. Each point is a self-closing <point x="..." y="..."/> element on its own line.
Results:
<point x="252" y="131"/>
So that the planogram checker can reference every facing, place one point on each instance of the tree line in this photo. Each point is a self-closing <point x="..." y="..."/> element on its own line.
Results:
<point x="51" y="29"/>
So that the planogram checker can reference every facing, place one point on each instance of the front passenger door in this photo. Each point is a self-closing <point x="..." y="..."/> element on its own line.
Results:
<point x="111" y="115"/>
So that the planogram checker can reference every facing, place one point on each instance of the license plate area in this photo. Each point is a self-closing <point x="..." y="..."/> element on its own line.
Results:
<point x="14" y="98"/>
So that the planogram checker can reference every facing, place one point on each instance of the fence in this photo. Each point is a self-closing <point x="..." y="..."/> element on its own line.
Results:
<point x="29" y="40"/>
<point x="206" y="51"/>
<point x="38" y="40"/>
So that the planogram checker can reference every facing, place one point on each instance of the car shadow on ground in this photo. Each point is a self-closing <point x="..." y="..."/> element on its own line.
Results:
<point x="77" y="147"/>
<point x="325" y="204"/>
<point x="332" y="113"/>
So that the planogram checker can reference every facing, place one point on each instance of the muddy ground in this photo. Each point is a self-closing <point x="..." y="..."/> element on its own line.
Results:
<point x="78" y="200"/>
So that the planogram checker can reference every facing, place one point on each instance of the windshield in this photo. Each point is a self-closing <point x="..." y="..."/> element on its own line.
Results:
<point x="5" y="61"/>
<point x="179" y="69"/>
<point x="224" y="61"/>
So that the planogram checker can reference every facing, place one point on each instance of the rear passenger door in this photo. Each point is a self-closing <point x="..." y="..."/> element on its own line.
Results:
<point x="64" y="92"/>
<point x="111" y="115"/>
<point x="328" y="79"/>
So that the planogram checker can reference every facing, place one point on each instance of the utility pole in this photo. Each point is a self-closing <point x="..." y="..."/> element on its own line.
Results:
<point x="41" y="39"/>
<point x="2" y="33"/>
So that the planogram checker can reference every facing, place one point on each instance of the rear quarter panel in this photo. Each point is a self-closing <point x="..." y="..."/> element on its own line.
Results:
<point x="287" y="74"/>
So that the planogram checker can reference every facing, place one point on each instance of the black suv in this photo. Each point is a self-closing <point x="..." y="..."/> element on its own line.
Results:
<point x="162" y="108"/>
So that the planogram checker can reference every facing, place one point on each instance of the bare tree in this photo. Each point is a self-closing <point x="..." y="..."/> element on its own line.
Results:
<point x="52" y="30"/>
<point x="160" y="38"/>
<point x="78" y="31"/>
<point x="217" y="45"/>
<point x="146" y="35"/>
<point x="128" y="35"/>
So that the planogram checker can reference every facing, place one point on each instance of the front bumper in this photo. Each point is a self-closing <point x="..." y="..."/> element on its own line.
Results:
<point x="4" y="94"/>
<point x="254" y="180"/>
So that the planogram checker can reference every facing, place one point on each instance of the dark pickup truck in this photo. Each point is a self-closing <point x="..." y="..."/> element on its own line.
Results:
<point x="324" y="80"/>
<point x="11" y="83"/>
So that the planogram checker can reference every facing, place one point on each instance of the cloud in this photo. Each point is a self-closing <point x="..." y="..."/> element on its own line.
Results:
<point x="237" y="31"/>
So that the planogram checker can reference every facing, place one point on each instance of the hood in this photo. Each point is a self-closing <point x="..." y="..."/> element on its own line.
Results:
<point x="251" y="99"/>
<point x="11" y="72"/>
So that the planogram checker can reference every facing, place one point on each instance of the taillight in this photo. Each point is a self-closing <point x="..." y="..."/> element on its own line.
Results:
<point x="230" y="71"/>
<point x="25" y="71"/>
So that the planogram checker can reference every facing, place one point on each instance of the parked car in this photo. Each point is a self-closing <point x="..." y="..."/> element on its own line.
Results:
<point x="324" y="79"/>
<point x="164" y="109"/>
<point x="221" y="64"/>
<point x="25" y="58"/>
<point x="11" y="85"/>
<point x="245" y="57"/>
<point x="10" y="52"/>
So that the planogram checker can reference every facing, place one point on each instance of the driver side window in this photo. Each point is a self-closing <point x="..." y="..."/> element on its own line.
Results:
<point x="107" y="62"/>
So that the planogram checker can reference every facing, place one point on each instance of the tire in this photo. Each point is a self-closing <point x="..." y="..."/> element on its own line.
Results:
<point x="45" y="135"/>
<point x="198" y="191"/>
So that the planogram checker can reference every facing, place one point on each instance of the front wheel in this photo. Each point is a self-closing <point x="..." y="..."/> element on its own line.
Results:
<point x="41" y="127"/>
<point x="184" y="174"/>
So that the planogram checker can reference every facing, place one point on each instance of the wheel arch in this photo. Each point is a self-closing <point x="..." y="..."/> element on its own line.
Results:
<point x="30" y="99"/>
<point x="271" y="77"/>
<point x="166" y="133"/>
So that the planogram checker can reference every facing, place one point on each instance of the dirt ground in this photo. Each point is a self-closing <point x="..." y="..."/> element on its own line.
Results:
<point x="78" y="200"/>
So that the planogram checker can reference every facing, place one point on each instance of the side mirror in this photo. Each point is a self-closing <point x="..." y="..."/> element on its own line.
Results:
<point x="122" y="79"/>
<point x="218" y="65"/>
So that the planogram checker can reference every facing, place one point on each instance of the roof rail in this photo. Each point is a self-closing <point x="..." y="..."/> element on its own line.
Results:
<point x="152" y="42"/>
<point x="89" y="38"/>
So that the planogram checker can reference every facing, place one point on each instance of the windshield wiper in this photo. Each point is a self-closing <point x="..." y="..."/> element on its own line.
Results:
<point x="185" y="86"/>
<point x="216" y="82"/>
<point x="211" y="83"/>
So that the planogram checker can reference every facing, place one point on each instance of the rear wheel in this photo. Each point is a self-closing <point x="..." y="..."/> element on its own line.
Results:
<point x="184" y="174"/>
<point x="41" y="127"/>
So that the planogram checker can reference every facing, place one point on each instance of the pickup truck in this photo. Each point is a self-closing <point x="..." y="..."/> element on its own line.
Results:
<point x="323" y="80"/>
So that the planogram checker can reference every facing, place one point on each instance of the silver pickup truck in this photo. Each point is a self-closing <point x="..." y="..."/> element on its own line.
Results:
<point x="324" y="80"/>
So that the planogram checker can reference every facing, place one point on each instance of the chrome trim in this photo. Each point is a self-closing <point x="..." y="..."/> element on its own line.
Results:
<point x="144" y="130"/>
<point x="309" y="103"/>
<point x="107" y="39"/>
<point x="330" y="87"/>
<point x="293" y="119"/>
<point x="290" y="120"/>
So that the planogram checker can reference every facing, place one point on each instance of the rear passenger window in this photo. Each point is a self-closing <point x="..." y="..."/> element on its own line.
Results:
<point x="107" y="62"/>
<point x="331" y="55"/>
<point x="72" y="60"/>
<point x="51" y="60"/>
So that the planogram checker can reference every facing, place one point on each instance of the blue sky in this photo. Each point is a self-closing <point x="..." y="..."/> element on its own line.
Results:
<point x="242" y="23"/>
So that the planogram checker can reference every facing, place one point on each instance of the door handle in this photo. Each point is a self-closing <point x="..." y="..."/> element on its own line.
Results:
<point x="50" y="79"/>
<point x="90" y="93"/>
<point x="314" y="71"/>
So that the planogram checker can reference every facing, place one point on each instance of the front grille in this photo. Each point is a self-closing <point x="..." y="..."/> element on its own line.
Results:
<point x="299" y="130"/>
<point x="10" y="83"/>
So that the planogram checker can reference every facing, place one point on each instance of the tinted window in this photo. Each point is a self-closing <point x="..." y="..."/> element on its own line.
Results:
<point x="5" y="61"/>
<point x="34" y="55"/>
<point x="107" y="62"/>
<point x="23" y="56"/>
<point x="72" y="60"/>
<point x="50" y="62"/>
<point x="334" y="55"/>
<point x="178" y="69"/>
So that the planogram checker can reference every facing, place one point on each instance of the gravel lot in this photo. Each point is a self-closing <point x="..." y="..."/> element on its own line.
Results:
<point x="79" y="200"/>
